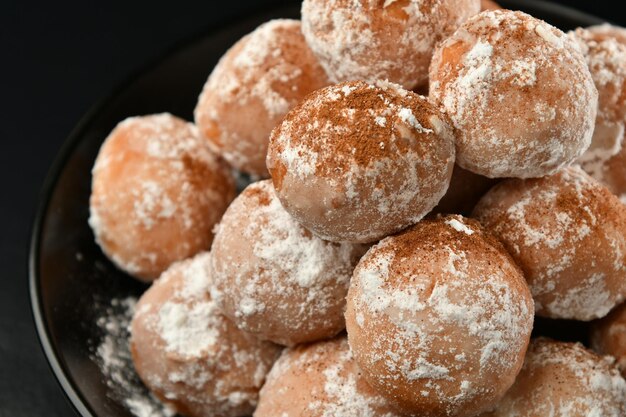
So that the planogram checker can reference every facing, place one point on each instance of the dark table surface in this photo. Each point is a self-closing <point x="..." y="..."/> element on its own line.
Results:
<point x="56" y="61"/>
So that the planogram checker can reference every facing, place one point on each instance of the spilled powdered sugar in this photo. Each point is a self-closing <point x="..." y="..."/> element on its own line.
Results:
<point x="112" y="355"/>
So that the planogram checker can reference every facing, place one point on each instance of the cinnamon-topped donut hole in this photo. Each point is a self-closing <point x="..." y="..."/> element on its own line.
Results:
<point x="320" y="380"/>
<point x="190" y="355"/>
<point x="274" y="278"/>
<point x="356" y="162"/>
<point x="375" y="40"/>
<point x="519" y="93"/>
<point x="561" y="379"/>
<point x="439" y="318"/>
<point x="252" y="87"/>
<point x="606" y="58"/>
<point x="568" y="234"/>
<point x="608" y="336"/>
<point x="156" y="193"/>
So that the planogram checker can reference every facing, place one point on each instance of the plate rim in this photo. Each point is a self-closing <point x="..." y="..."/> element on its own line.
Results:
<point x="68" y="386"/>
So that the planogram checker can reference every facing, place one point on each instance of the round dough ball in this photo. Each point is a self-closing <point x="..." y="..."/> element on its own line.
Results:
<point x="320" y="380"/>
<point x="568" y="234"/>
<point x="608" y="336"/>
<point x="606" y="58"/>
<point x="610" y="31"/>
<point x="189" y="354"/>
<point x="466" y="188"/>
<point x="489" y="5"/>
<point x="439" y="318"/>
<point x="519" y="93"/>
<point x="356" y="162"/>
<point x="156" y="193"/>
<point x="564" y="380"/>
<point x="273" y="277"/>
<point x="375" y="40"/>
<point x="251" y="89"/>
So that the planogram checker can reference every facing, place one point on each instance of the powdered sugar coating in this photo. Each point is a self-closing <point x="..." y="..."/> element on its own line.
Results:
<point x="375" y="40"/>
<point x="608" y="336"/>
<point x="564" y="380"/>
<point x="273" y="277"/>
<point x="189" y="354"/>
<point x="606" y="29"/>
<point x="606" y="58"/>
<point x="255" y="83"/>
<point x="157" y="191"/>
<point x="568" y="233"/>
<point x="439" y="318"/>
<point x="612" y="173"/>
<point x="320" y="380"/>
<point x="519" y="92"/>
<point x="357" y="162"/>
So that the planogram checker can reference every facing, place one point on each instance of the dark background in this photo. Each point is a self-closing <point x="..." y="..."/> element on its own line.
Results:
<point x="56" y="61"/>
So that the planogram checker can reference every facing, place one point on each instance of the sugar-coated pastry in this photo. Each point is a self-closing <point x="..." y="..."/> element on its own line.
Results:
<point x="616" y="32"/>
<point x="608" y="336"/>
<point x="273" y="277"/>
<point x="320" y="380"/>
<point x="191" y="356"/>
<point x="612" y="174"/>
<point x="253" y="86"/>
<point x="375" y="40"/>
<point x="439" y="318"/>
<point x="489" y="5"/>
<point x="606" y="58"/>
<point x="519" y="93"/>
<point x="465" y="189"/>
<point x="356" y="162"/>
<point x="156" y="193"/>
<point x="568" y="234"/>
<point x="564" y="380"/>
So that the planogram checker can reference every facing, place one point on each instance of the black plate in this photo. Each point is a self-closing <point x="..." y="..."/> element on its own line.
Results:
<point x="68" y="271"/>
